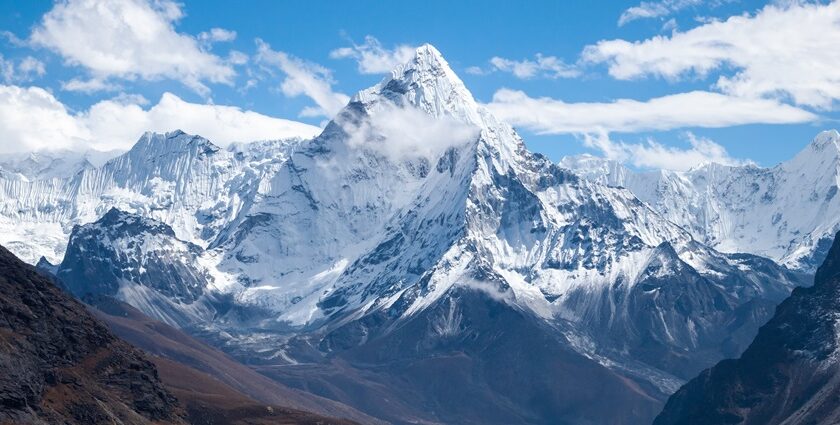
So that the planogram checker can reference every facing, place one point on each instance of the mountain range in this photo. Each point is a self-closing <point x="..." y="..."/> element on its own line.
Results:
<point x="417" y="252"/>
<point x="785" y="213"/>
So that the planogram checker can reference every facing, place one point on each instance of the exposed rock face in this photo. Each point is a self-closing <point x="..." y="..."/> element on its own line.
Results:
<point x="126" y="238"/>
<point x="790" y="373"/>
<point x="60" y="365"/>
<point x="138" y="260"/>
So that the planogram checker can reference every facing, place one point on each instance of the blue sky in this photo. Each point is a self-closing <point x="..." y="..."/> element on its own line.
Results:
<point x="469" y="34"/>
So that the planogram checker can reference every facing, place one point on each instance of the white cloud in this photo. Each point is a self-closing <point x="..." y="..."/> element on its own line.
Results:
<point x="217" y="35"/>
<point x="541" y="66"/>
<point x="118" y="120"/>
<point x="33" y="119"/>
<point x="372" y="58"/>
<point x="784" y="50"/>
<point x="13" y="39"/>
<point x="655" y="9"/>
<point x="7" y="70"/>
<point x="24" y="70"/>
<point x="652" y="154"/>
<point x="88" y="86"/>
<point x="304" y="78"/>
<point x="692" y="109"/>
<point x="475" y="70"/>
<point x="31" y="66"/>
<point x="237" y="58"/>
<point x="669" y="25"/>
<point x="407" y="132"/>
<point x="130" y="98"/>
<point x="129" y="39"/>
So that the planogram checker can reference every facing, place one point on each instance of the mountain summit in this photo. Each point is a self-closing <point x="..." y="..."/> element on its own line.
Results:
<point x="427" y="83"/>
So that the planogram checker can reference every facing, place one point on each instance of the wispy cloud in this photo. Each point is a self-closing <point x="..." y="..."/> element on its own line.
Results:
<point x="372" y="58"/>
<point x="23" y="70"/>
<point x="654" y="155"/>
<point x="402" y="132"/>
<point x="304" y="78"/>
<point x="785" y="50"/>
<point x="91" y="85"/>
<point x="692" y="109"/>
<point x="216" y="35"/>
<point x="655" y="9"/>
<point x="541" y="66"/>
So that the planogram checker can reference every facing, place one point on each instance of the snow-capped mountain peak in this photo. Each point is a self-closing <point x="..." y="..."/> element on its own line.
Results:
<point x="155" y="145"/>
<point x="428" y="83"/>
<point x="820" y="157"/>
<point x="490" y="217"/>
<point x="825" y="138"/>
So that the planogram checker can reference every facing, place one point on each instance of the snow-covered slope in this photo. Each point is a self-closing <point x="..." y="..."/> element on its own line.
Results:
<point x="788" y="213"/>
<point x="182" y="180"/>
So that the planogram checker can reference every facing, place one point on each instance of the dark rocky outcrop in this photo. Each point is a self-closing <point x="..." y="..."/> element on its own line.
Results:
<point x="789" y="374"/>
<point x="137" y="259"/>
<point x="125" y="247"/>
<point x="61" y="365"/>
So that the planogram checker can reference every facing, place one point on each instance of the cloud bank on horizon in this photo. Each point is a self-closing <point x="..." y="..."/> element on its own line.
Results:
<point x="774" y="65"/>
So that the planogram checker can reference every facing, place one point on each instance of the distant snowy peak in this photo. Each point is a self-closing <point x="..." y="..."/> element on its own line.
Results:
<point x="50" y="164"/>
<point x="156" y="153"/>
<point x="820" y="160"/>
<point x="151" y="147"/>
<point x="266" y="150"/>
<point x="788" y="212"/>
<point x="597" y="169"/>
<point x="827" y="139"/>
<point x="174" y="142"/>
